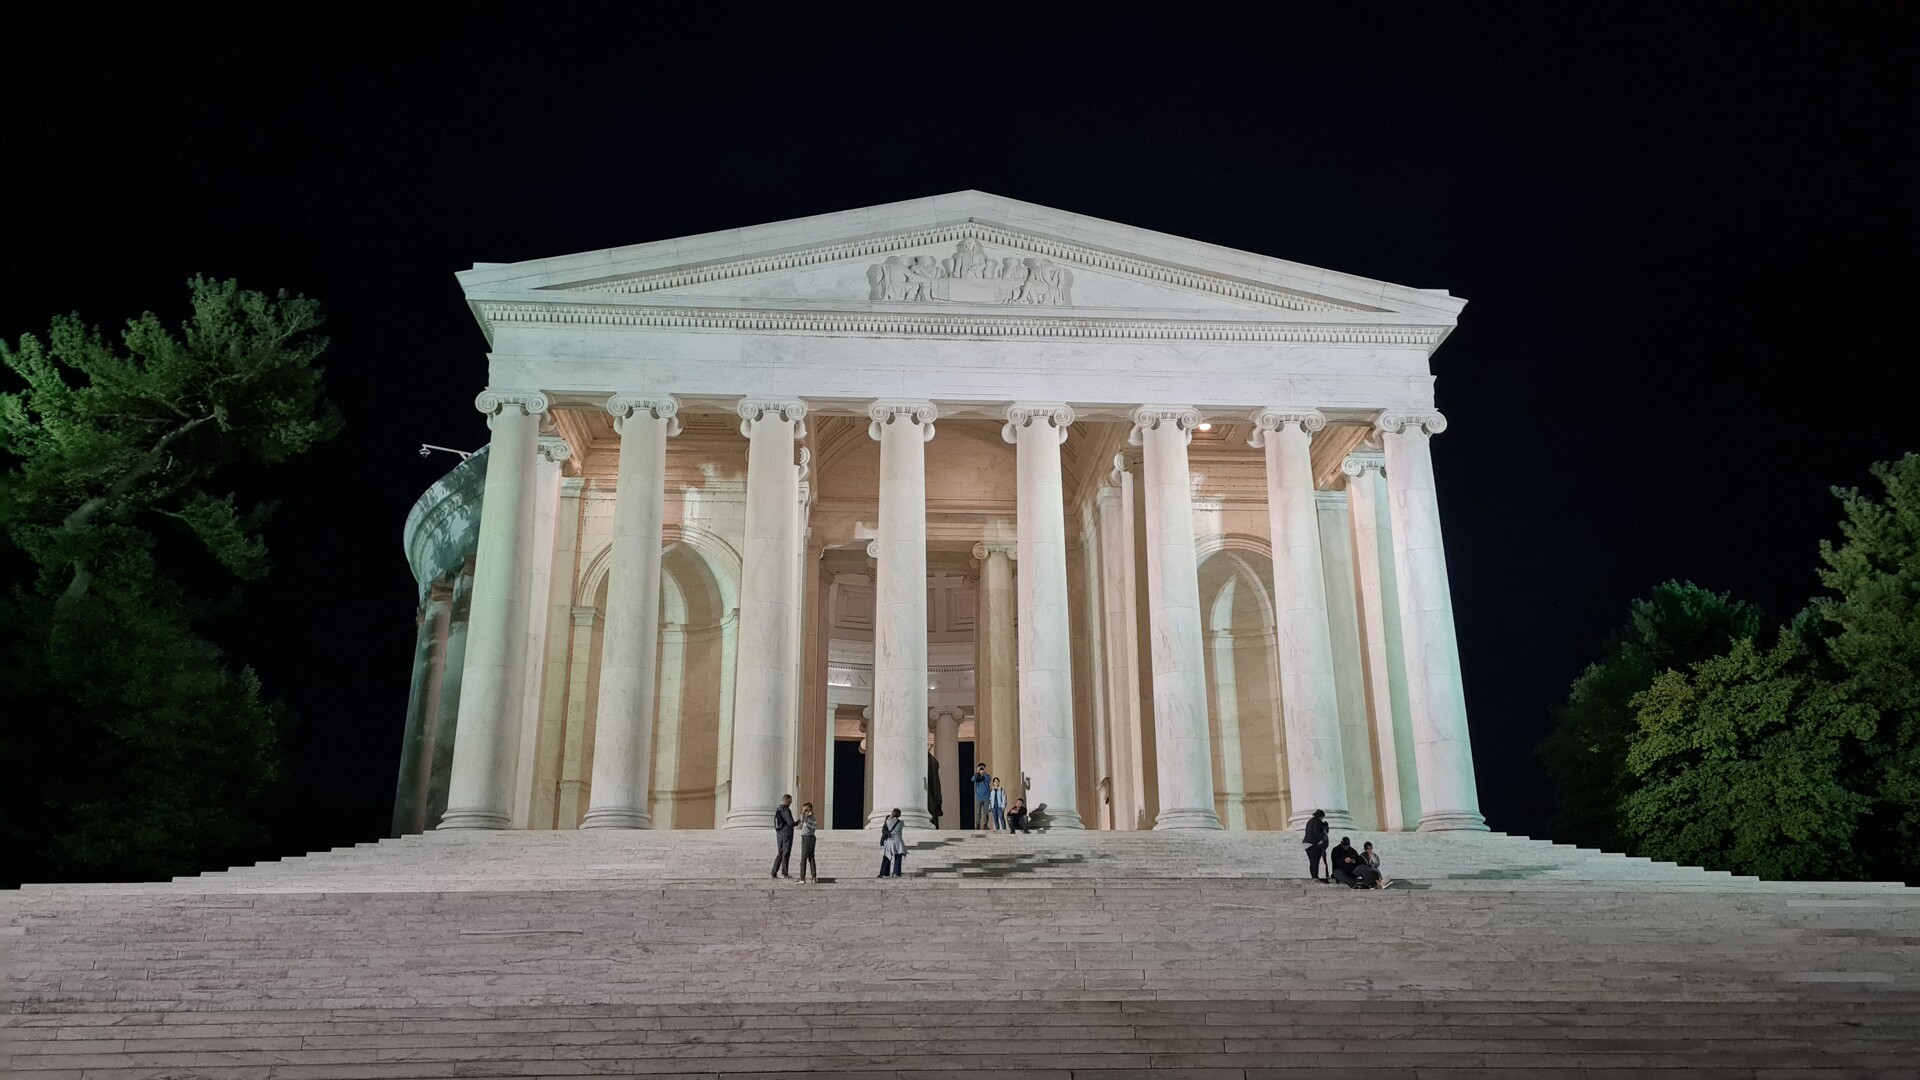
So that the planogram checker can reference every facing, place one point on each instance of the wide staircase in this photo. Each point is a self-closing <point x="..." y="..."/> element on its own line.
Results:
<point x="617" y="953"/>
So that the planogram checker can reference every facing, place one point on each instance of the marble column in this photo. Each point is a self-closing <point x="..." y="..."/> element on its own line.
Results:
<point x="946" y="750"/>
<point x="480" y="792"/>
<point x="1316" y="769"/>
<point x="897" y="749"/>
<point x="623" y="725"/>
<point x="1173" y="603"/>
<point x="1349" y="677"/>
<point x="549" y="754"/>
<point x="826" y="787"/>
<point x="996" y="699"/>
<point x="1383" y="659"/>
<point x="1449" y="798"/>
<point x="446" y="718"/>
<point x="1045" y="646"/>
<point x="1123" y="650"/>
<point x="576" y="751"/>
<point x="767" y="694"/>
<point x="423" y="701"/>
<point x="553" y="455"/>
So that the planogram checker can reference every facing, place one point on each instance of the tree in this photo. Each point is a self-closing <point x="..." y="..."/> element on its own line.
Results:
<point x="1747" y="763"/>
<point x="1874" y="627"/>
<point x="1586" y="754"/>
<point x="144" y="753"/>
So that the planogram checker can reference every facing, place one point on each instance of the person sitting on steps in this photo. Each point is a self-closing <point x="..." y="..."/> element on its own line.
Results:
<point x="1346" y="864"/>
<point x="1017" y="817"/>
<point x="1372" y="859"/>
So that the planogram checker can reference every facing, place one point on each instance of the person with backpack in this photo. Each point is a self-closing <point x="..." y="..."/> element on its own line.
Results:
<point x="893" y="843"/>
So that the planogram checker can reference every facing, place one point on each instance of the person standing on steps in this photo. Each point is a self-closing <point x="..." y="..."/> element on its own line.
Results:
<point x="808" y="826"/>
<point x="893" y="843"/>
<point x="982" y="797"/>
<point x="1315" y="840"/>
<point x="783" y="837"/>
<point x="997" y="806"/>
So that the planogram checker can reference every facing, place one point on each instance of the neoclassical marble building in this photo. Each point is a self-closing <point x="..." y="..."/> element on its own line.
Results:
<point x="841" y="505"/>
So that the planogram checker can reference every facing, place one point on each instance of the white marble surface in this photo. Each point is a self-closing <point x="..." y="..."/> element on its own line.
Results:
<point x="623" y="733"/>
<point x="1045" y="630"/>
<point x="767" y="683"/>
<point x="1436" y="700"/>
<point x="480" y="790"/>
<point x="1384" y="662"/>
<point x="897" y="749"/>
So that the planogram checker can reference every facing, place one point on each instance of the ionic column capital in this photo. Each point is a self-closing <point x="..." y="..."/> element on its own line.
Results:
<point x="884" y="412"/>
<point x="660" y="407"/>
<point x="946" y="712"/>
<point x="1397" y="421"/>
<point x="494" y="401"/>
<point x="1358" y="462"/>
<point x="1151" y="417"/>
<point x="984" y="549"/>
<point x="554" y="449"/>
<point x="792" y="410"/>
<point x="1021" y="414"/>
<point x="1277" y="417"/>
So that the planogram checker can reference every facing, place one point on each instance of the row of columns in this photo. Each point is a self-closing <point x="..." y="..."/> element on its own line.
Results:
<point x="766" y="702"/>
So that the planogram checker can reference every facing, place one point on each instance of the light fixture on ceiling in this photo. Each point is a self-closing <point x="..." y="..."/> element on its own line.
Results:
<point x="1206" y="425"/>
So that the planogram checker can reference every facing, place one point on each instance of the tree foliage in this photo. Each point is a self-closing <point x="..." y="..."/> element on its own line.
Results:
<point x="1749" y="763"/>
<point x="1873" y="623"/>
<point x="143" y="752"/>
<point x="1679" y="624"/>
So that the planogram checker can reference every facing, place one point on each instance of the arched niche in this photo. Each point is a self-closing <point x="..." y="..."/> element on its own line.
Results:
<point x="1243" y="684"/>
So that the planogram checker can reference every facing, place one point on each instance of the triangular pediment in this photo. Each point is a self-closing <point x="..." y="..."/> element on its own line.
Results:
<point x="967" y="252"/>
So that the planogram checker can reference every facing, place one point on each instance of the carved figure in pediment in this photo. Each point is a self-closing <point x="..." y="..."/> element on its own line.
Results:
<point x="1012" y="269"/>
<point x="889" y="280"/>
<point x="969" y="261"/>
<point x="924" y="271"/>
<point x="1045" y="283"/>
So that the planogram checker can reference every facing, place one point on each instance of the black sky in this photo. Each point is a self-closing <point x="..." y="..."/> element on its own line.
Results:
<point x="1687" y="235"/>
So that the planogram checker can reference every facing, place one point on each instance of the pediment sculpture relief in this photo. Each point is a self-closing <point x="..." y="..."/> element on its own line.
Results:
<point x="971" y="276"/>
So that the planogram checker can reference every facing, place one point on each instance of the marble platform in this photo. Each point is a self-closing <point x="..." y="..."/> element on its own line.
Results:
<point x="1067" y="955"/>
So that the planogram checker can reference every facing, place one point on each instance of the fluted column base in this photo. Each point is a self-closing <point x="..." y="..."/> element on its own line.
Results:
<point x="614" y="818"/>
<point x="474" y="819"/>
<point x="749" y="817"/>
<point x="1174" y="820"/>
<point x="1452" y="823"/>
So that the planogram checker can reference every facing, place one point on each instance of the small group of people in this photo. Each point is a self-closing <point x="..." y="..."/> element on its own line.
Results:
<point x="893" y="843"/>
<point x="990" y="809"/>
<point x="1345" y="866"/>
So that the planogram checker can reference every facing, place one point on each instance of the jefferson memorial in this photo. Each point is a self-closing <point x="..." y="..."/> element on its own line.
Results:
<point x="841" y="506"/>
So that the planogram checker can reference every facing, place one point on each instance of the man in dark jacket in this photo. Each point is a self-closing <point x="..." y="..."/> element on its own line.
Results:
<point x="783" y="836"/>
<point x="1316" y="843"/>
<point x="1345" y="863"/>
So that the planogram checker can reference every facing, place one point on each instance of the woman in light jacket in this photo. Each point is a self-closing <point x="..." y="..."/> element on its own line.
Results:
<point x="997" y="807"/>
<point x="893" y="843"/>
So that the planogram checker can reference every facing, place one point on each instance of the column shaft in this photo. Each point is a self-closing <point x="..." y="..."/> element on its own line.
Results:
<point x="1045" y="630"/>
<point x="946" y="748"/>
<point x="996" y="700"/>
<point x="623" y="724"/>
<point x="1173" y="601"/>
<point x="423" y="700"/>
<point x="826" y="787"/>
<point x="553" y="453"/>
<point x="767" y="697"/>
<point x="1449" y="798"/>
<point x="1384" y="663"/>
<point x="898" y="746"/>
<point x="1122" y="651"/>
<point x="479" y="792"/>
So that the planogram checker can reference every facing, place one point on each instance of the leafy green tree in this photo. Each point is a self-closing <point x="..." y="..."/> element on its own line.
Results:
<point x="1586" y="754"/>
<point x="1874" y="638"/>
<point x="1750" y="763"/>
<point x="139" y="750"/>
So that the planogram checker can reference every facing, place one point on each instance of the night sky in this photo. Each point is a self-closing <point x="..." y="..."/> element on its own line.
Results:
<point x="1687" y="235"/>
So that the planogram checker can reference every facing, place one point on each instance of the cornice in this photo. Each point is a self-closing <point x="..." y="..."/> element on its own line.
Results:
<point x="1065" y="251"/>
<point x="957" y="324"/>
